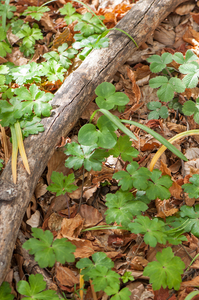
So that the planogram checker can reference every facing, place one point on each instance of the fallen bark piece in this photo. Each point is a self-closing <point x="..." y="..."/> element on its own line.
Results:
<point x="70" y="101"/>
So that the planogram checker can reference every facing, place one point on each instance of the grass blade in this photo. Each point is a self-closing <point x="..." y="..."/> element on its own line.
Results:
<point x="14" y="154"/>
<point x="21" y="146"/>
<point x="158" y="137"/>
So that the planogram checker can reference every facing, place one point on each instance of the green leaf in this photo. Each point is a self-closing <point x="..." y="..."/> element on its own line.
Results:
<point x="5" y="291"/>
<point x="70" y="13"/>
<point x="134" y="177"/>
<point x="159" y="187"/>
<point x="99" y="259"/>
<point x="192" y="108"/>
<point x="122" y="206"/>
<point x="192" y="188"/>
<point x="29" y="35"/>
<point x="53" y="70"/>
<point x="108" y="98"/>
<point x="35" y="288"/>
<point x="31" y="125"/>
<point x="36" y="12"/>
<point x="88" y="156"/>
<point x="158" y="63"/>
<point x="153" y="230"/>
<point x="157" y="137"/>
<point x="62" y="184"/>
<point x="192" y="71"/>
<point x="127" y="276"/>
<point x="192" y="215"/>
<point x="123" y="294"/>
<point x="46" y="251"/>
<point x="124" y="148"/>
<point x="166" y="271"/>
<point x="192" y="295"/>
<point x="89" y="25"/>
<point x="167" y="87"/>
<point x="105" y="279"/>
<point x="88" y="135"/>
<point x="1" y="164"/>
<point x="175" y="105"/>
<point x="157" y="110"/>
<point x="189" y="56"/>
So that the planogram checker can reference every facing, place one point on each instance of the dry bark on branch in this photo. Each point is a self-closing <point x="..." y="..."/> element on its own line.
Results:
<point x="70" y="101"/>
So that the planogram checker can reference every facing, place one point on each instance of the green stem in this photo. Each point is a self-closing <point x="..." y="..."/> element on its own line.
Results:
<point x="118" y="29"/>
<point x="14" y="153"/>
<point x="21" y="146"/>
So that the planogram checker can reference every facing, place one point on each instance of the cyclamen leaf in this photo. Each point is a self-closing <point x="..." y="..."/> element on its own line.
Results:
<point x="123" y="294"/>
<point x="153" y="230"/>
<point x="158" y="63"/>
<point x="5" y="291"/>
<point x="122" y="206"/>
<point x="134" y="177"/>
<point x="35" y="288"/>
<point x="166" y="271"/>
<point x="124" y="148"/>
<point x="46" y="251"/>
<point x="62" y="184"/>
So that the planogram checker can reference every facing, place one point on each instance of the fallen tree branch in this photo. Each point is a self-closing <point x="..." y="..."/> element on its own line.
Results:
<point x="70" y="101"/>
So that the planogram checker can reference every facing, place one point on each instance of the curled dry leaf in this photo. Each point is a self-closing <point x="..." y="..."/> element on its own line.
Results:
<point x="34" y="221"/>
<point x="164" y="35"/>
<point x="72" y="227"/>
<point x="91" y="215"/>
<point x="184" y="8"/>
<point x="65" y="276"/>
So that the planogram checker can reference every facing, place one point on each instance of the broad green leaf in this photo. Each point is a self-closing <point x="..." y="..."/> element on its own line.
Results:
<point x="192" y="108"/>
<point x="48" y="252"/>
<point x="122" y="206"/>
<point x="31" y="125"/>
<point x="159" y="188"/>
<point x="192" y="214"/>
<point x="99" y="259"/>
<point x="167" y="87"/>
<point x="134" y="177"/>
<point x="121" y="295"/>
<point x="88" y="135"/>
<point x="62" y="184"/>
<point x="5" y="291"/>
<point x="192" y="71"/>
<point x="166" y="271"/>
<point x="88" y="156"/>
<point x="153" y="230"/>
<point x="189" y="56"/>
<point x="70" y="13"/>
<point x="158" y="63"/>
<point x="192" y="188"/>
<point x="53" y="71"/>
<point x="157" y="110"/>
<point x="35" y="289"/>
<point x="36" y="12"/>
<point x="124" y="148"/>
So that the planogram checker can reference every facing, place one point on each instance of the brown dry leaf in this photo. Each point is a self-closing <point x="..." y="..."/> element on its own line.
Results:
<point x="138" y="263"/>
<point x="191" y="36"/>
<point x="39" y="52"/>
<point x="64" y="37"/>
<point x="190" y="283"/>
<point x="66" y="276"/>
<point x="167" y="213"/>
<point x="57" y="163"/>
<point x="88" y="193"/>
<point x="17" y="57"/>
<point x="135" y="87"/>
<point x="142" y="72"/>
<point x="47" y="23"/>
<point x="84" y="248"/>
<point x="184" y="8"/>
<point x="164" y="35"/>
<point x="175" y="190"/>
<point x="176" y="127"/>
<point x="40" y="189"/>
<point x="54" y="222"/>
<point x="174" y="168"/>
<point x="192" y="153"/>
<point x="110" y="18"/>
<point x="137" y="291"/>
<point x="72" y="227"/>
<point x="34" y="220"/>
<point x="191" y="165"/>
<point x="150" y="146"/>
<point x="91" y="215"/>
<point x="195" y="17"/>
